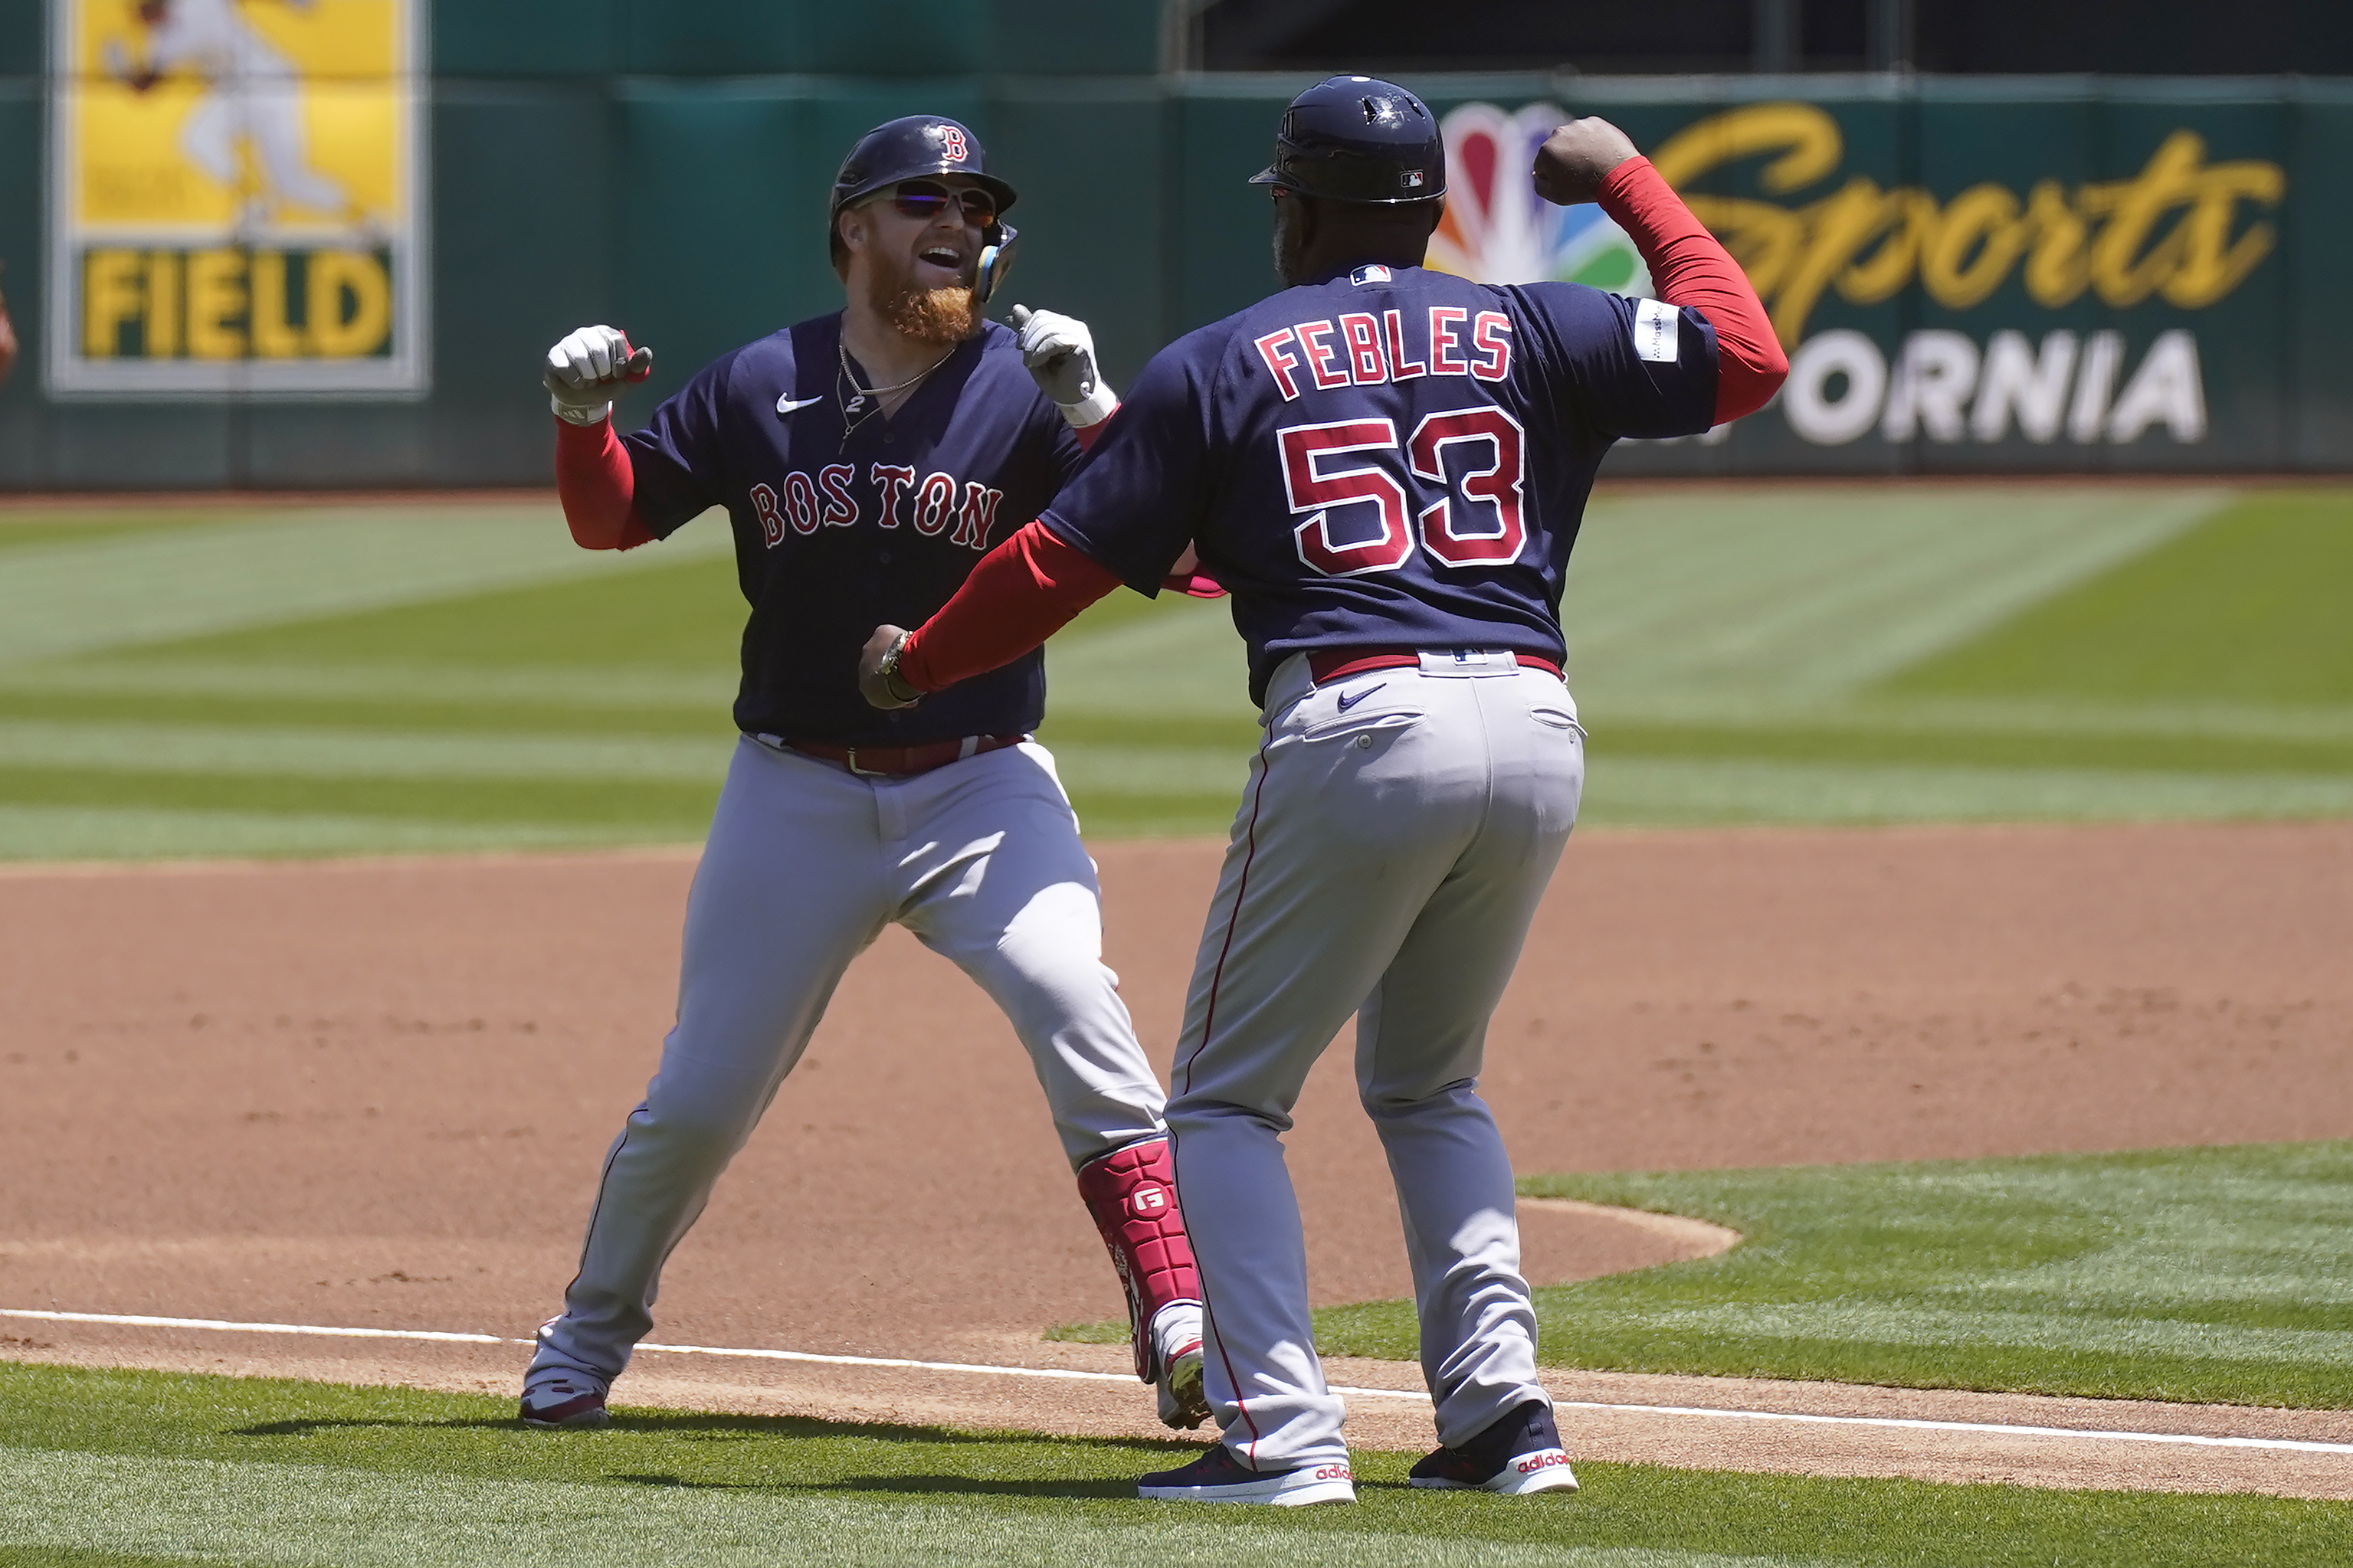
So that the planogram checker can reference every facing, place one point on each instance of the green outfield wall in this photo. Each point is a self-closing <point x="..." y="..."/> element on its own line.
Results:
<point x="1988" y="274"/>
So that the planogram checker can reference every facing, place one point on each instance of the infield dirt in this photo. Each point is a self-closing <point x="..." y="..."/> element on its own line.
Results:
<point x="377" y="1094"/>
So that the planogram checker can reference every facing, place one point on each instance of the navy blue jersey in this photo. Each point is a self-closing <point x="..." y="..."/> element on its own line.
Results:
<point x="837" y="532"/>
<point x="1394" y="458"/>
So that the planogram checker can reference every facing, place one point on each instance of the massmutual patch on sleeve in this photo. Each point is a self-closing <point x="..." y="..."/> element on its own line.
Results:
<point x="1654" y="330"/>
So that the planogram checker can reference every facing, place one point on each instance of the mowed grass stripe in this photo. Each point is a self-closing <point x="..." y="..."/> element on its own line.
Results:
<point x="171" y="1465"/>
<point x="2219" y="1275"/>
<point x="1636" y="791"/>
<point x="309" y="753"/>
<point x="1717" y="641"/>
<point x="108" y="833"/>
<point x="22" y="530"/>
<point x="76" y="599"/>
<point x="1814" y="592"/>
<point x="304" y="1514"/>
<point x="2251" y="607"/>
<point x="663" y="812"/>
<point x="587" y="689"/>
<point x="1833" y="741"/>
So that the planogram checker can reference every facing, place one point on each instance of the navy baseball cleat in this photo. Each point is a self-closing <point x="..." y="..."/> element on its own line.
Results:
<point x="1518" y="1452"/>
<point x="1218" y="1476"/>
<point x="559" y="1403"/>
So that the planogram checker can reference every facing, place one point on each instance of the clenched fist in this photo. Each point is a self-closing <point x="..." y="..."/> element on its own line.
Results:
<point x="879" y="681"/>
<point x="1059" y="353"/>
<point x="1575" y="159"/>
<point x="587" y="368"/>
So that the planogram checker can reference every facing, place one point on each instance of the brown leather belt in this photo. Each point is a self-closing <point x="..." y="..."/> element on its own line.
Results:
<point x="901" y="762"/>
<point x="1329" y="664"/>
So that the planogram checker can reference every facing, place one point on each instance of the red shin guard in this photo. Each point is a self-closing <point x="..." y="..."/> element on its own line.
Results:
<point x="1132" y="1193"/>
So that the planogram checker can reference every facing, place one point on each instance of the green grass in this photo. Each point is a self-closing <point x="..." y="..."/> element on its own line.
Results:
<point x="684" y="617"/>
<point x="2217" y="1275"/>
<point x="2254" y="605"/>
<point x="21" y="529"/>
<point x="427" y="675"/>
<point x="114" y="1467"/>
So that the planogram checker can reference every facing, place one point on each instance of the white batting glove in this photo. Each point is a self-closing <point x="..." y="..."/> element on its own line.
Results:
<point x="1060" y="356"/>
<point x="587" y="368"/>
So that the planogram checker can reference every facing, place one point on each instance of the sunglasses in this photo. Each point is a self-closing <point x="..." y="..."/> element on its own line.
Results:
<point x="927" y="199"/>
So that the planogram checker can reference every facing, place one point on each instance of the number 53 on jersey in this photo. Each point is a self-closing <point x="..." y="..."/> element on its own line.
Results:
<point x="1364" y="498"/>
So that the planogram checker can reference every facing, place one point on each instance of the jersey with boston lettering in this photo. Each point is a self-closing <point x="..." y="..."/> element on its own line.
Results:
<point x="845" y="520"/>
<point x="1396" y="457"/>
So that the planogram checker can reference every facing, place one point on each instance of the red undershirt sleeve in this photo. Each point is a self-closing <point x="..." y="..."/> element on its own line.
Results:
<point x="1023" y="592"/>
<point x="1690" y="267"/>
<point x="1187" y="578"/>
<point x="598" y="486"/>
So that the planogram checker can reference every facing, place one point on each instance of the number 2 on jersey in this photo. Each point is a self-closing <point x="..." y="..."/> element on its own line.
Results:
<point x="1475" y="521"/>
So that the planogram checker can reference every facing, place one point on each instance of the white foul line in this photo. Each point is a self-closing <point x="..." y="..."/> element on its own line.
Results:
<point x="1990" y="1428"/>
<point x="134" y="1321"/>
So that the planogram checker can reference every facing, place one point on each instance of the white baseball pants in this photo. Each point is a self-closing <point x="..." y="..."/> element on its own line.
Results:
<point x="1398" y="830"/>
<point x="806" y="863"/>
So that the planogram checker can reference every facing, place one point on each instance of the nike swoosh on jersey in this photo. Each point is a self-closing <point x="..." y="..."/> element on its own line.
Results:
<point x="1350" y="700"/>
<point x="787" y="403"/>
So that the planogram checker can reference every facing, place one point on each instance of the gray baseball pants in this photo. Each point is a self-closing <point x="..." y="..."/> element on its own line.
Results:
<point x="1399" y="827"/>
<point x="806" y="863"/>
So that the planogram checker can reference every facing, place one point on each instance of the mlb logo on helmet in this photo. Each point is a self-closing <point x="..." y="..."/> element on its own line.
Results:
<point x="1410" y="179"/>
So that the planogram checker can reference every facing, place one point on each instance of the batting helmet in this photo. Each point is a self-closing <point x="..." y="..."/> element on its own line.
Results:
<point x="911" y="148"/>
<point x="1358" y="139"/>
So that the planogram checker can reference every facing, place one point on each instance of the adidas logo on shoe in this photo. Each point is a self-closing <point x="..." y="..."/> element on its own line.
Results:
<point x="1218" y="1476"/>
<point x="1517" y="1454"/>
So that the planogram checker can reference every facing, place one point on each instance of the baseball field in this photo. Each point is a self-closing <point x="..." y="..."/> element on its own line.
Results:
<point x="1931" y="1073"/>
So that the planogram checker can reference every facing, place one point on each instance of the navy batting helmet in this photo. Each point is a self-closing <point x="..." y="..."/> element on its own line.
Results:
<point x="911" y="148"/>
<point x="1358" y="139"/>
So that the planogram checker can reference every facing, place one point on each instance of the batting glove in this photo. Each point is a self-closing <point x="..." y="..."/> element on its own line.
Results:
<point x="1060" y="356"/>
<point x="587" y="368"/>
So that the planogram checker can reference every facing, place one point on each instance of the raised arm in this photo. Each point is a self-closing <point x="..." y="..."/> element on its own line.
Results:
<point x="594" y="478"/>
<point x="1593" y="160"/>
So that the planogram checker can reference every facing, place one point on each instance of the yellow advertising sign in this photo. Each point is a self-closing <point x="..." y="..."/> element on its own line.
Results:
<point x="2177" y="230"/>
<point x="237" y="197"/>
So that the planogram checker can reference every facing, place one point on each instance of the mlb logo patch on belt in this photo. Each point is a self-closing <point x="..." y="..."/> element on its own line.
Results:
<point x="1469" y="661"/>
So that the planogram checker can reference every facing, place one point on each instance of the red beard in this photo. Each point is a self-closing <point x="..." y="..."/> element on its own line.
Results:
<point x="941" y="316"/>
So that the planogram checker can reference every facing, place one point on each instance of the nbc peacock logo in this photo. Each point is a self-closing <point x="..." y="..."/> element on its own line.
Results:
<point x="1498" y="230"/>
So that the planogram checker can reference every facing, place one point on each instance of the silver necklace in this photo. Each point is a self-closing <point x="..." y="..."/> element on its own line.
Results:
<point x="865" y="402"/>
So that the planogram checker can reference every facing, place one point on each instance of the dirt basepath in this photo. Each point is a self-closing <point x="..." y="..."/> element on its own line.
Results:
<point x="377" y="1094"/>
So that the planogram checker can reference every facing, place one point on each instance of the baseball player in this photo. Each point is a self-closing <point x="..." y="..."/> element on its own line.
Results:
<point x="251" y="97"/>
<point x="1387" y="468"/>
<point x="866" y="460"/>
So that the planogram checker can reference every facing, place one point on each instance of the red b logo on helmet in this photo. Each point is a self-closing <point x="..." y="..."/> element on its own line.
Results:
<point x="1148" y="1202"/>
<point x="952" y="143"/>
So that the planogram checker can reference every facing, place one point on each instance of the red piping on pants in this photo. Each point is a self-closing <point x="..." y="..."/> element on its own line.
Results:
<point x="1208" y="1021"/>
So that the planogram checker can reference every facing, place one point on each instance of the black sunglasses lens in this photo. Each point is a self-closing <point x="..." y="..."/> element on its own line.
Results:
<point x="927" y="200"/>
